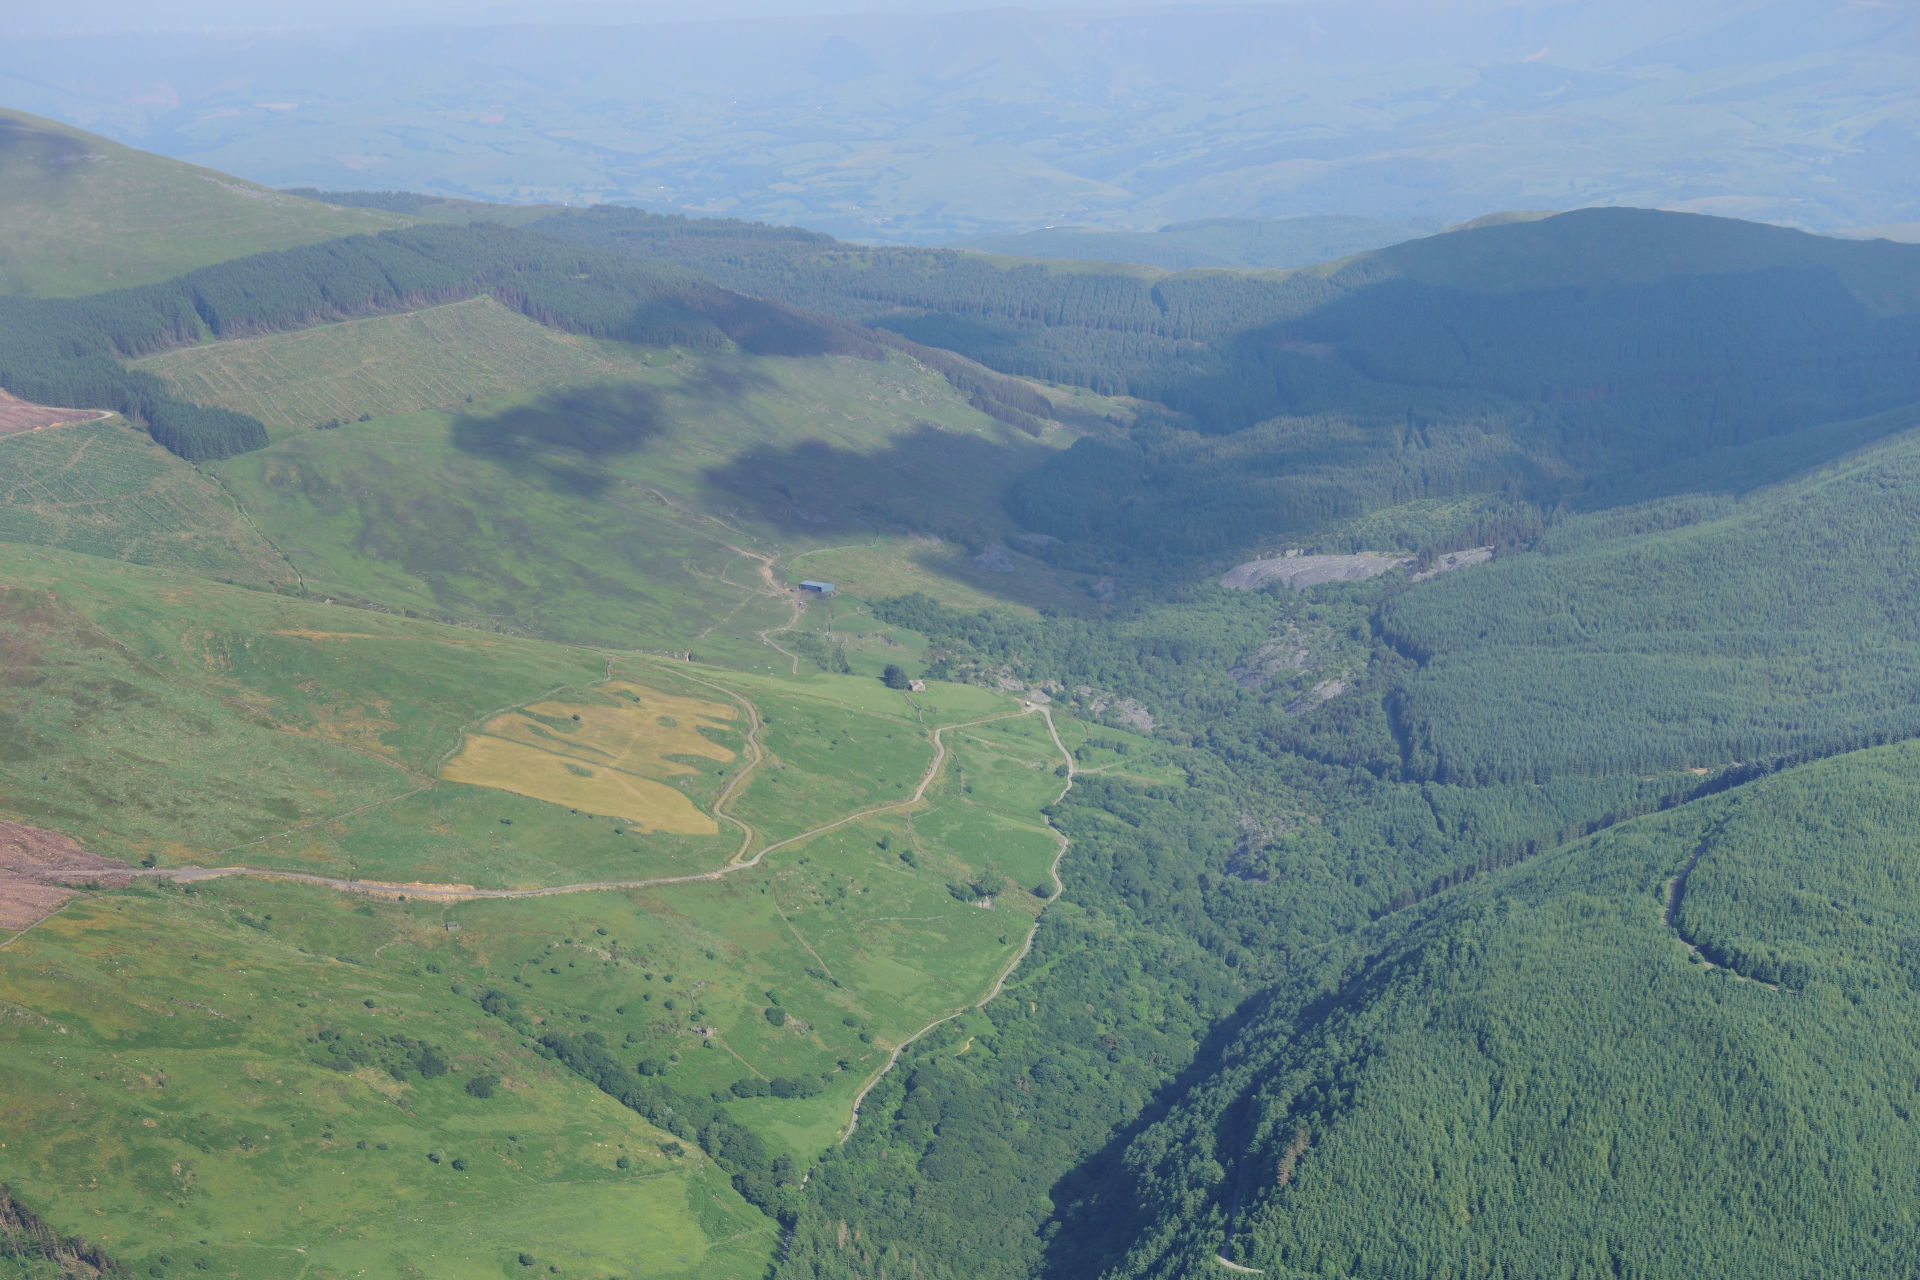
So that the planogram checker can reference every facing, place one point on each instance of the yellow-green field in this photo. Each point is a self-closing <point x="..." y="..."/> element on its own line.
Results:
<point x="613" y="757"/>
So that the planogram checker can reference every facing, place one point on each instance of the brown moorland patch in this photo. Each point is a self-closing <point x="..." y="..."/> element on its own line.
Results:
<point x="39" y="871"/>
<point x="22" y="415"/>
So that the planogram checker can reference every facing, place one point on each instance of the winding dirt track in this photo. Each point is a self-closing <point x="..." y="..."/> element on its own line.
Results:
<point x="738" y="863"/>
<point x="1006" y="971"/>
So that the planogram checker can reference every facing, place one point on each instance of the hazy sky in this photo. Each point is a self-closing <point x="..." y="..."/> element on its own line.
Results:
<point x="941" y="119"/>
<point x="99" y="16"/>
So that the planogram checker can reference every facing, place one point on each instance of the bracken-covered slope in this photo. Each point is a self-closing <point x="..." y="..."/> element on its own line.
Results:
<point x="80" y="214"/>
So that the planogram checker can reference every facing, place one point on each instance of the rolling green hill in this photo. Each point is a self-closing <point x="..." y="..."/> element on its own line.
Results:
<point x="477" y="784"/>
<point x="80" y="214"/>
<point x="1556" y="359"/>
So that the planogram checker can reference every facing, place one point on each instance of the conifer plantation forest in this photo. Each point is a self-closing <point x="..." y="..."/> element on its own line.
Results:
<point x="586" y="742"/>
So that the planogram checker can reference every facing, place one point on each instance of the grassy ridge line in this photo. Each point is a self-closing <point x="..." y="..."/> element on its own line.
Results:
<point x="80" y="214"/>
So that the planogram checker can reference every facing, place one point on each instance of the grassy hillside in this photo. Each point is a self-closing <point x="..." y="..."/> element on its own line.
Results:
<point x="106" y="489"/>
<point x="80" y="214"/>
<point x="1538" y="1076"/>
<point x="166" y="720"/>
<point x="634" y="503"/>
<point x="187" y="1042"/>
<point x="436" y="358"/>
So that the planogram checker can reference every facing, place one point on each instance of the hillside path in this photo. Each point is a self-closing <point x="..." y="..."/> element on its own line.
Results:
<point x="738" y="863"/>
<point x="466" y="892"/>
<point x="1006" y="970"/>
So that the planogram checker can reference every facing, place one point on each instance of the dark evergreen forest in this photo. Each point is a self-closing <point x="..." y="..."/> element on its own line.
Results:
<point x="1576" y="939"/>
<point x="1582" y="358"/>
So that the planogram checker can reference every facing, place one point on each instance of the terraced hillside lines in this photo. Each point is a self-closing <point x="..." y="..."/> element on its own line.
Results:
<point x="607" y="758"/>
<point x="80" y="214"/>
<point x="435" y="358"/>
<point x="106" y="489"/>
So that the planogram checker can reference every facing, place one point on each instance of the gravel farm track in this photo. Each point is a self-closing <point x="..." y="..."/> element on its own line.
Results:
<point x="41" y="871"/>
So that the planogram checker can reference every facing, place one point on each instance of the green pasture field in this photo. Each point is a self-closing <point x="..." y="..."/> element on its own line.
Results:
<point x="843" y="629"/>
<point x="825" y="759"/>
<point x="104" y="488"/>
<point x="435" y="358"/>
<point x="170" y="718"/>
<point x="162" y="715"/>
<point x="167" y="717"/>
<point x="80" y="214"/>
<point x="166" y="1099"/>
<point x="1103" y="749"/>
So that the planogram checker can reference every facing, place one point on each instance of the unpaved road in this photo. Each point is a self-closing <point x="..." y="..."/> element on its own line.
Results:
<point x="18" y="415"/>
<point x="738" y="863"/>
<point x="41" y="870"/>
<point x="1676" y="889"/>
<point x="1006" y="971"/>
<point x="467" y="892"/>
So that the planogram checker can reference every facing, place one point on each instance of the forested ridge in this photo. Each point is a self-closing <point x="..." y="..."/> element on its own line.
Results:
<point x="1534" y="1075"/>
<point x="1464" y="1039"/>
<point x="1577" y="358"/>
<point x="69" y="351"/>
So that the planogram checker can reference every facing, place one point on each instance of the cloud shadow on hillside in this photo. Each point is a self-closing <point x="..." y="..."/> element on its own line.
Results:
<point x="563" y="435"/>
<point x="929" y="480"/>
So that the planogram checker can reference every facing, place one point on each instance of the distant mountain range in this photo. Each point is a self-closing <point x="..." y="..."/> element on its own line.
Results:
<point x="944" y="127"/>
